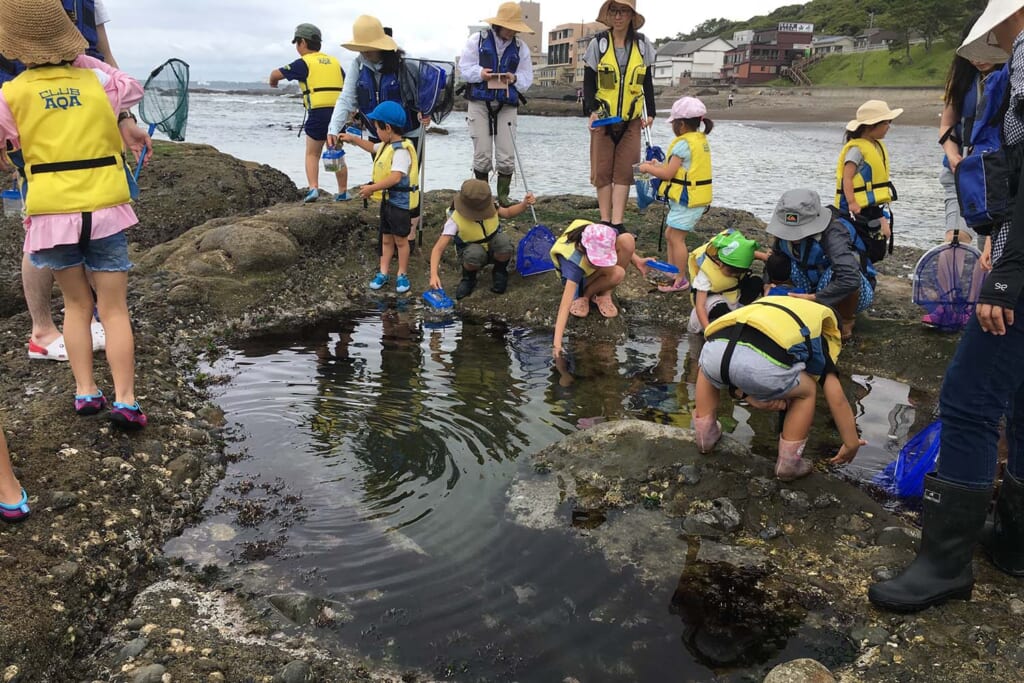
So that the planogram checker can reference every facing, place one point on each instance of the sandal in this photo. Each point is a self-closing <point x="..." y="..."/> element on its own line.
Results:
<point x="680" y="286"/>
<point x="580" y="307"/>
<point x="17" y="512"/>
<point x="54" y="351"/>
<point x="90" y="404"/>
<point x="605" y="305"/>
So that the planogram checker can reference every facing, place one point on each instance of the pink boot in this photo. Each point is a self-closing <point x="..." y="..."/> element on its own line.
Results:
<point x="790" y="465"/>
<point x="708" y="432"/>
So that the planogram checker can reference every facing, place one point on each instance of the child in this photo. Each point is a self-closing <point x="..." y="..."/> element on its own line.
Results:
<point x="777" y="269"/>
<point x="863" y="188"/>
<point x="773" y="353"/>
<point x="716" y="269"/>
<point x="686" y="181"/>
<point x="13" y="499"/>
<point x="588" y="257"/>
<point x="395" y="185"/>
<point x="473" y="224"/>
<point x="62" y="112"/>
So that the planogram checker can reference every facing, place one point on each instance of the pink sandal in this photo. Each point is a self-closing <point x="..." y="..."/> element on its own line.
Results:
<point x="580" y="307"/>
<point x="680" y="286"/>
<point x="605" y="305"/>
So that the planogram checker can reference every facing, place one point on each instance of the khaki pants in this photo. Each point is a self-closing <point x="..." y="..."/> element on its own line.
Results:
<point x="483" y="142"/>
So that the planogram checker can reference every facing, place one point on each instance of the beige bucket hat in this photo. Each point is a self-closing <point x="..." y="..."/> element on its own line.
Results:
<point x="368" y="35"/>
<point x="872" y="112"/>
<point x="38" y="32"/>
<point x="510" y="16"/>
<point x="605" y="17"/>
<point x="979" y="46"/>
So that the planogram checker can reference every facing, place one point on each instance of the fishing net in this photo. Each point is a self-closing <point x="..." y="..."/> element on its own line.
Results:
<point x="905" y="476"/>
<point x="435" y="87"/>
<point x="947" y="282"/>
<point x="165" y="99"/>
<point x="533" y="255"/>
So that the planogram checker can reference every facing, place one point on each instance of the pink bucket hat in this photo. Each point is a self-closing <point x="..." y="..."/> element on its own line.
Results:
<point x="687" y="108"/>
<point x="599" y="241"/>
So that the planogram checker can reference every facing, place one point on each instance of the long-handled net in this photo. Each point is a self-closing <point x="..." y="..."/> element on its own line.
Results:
<point x="165" y="102"/>
<point x="947" y="282"/>
<point x="435" y="96"/>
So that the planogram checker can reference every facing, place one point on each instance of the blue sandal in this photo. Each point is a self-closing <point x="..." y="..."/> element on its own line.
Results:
<point x="17" y="512"/>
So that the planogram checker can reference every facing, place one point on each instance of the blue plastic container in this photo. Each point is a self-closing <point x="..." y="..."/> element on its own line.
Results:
<point x="609" y="121"/>
<point x="13" y="203"/>
<point x="353" y="130"/>
<point x="436" y="298"/>
<point x="663" y="267"/>
<point x="332" y="159"/>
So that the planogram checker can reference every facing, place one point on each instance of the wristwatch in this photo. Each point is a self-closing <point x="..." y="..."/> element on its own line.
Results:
<point x="127" y="114"/>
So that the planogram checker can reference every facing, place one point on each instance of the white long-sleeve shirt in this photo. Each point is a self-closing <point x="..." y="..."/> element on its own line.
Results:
<point x="469" y="62"/>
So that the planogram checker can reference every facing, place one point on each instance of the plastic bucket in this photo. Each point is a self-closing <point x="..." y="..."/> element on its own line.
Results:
<point x="13" y="204"/>
<point x="332" y="160"/>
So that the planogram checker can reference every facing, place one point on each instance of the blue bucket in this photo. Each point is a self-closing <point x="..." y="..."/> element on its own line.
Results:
<point x="533" y="255"/>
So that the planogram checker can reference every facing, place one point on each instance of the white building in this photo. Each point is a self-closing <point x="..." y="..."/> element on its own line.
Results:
<point x="696" y="59"/>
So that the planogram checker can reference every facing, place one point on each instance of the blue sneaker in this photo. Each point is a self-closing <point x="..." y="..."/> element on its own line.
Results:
<point x="379" y="280"/>
<point x="342" y="197"/>
<point x="311" y="196"/>
<point x="402" y="284"/>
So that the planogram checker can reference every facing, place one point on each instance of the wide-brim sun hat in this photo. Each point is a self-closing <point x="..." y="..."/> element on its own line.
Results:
<point x="872" y="112"/>
<point x="39" y="32"/>
<point x="389" y="112"/>
<point x="605" y="17"/>
<point x="510" y="16"/>
<point x="599" y="242"/>
<point x="799" y="214"/>
<point x="368" y="36"/>
<point x="474" y="201"/>
<point x="979" y="45"/>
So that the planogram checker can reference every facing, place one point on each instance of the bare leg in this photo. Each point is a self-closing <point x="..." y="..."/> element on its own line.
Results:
<point x="38" y="286"/>
<point x="402" y="247"/>
<point x="620" y="195"/>
<point x="313" y="150"/>
<point x="112" y="295"/>
<point x="387" y="251"/>
<point x="706" y="397"/>
<point x="342" y="177"/>
<point x="10" y="488"/>
<point x="800" y="412"/>
<point x="78" y="304"/>
<point x="604" y="203"/>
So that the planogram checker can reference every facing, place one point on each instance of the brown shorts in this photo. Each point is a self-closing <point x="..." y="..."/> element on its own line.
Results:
<point x="611" y="162"/>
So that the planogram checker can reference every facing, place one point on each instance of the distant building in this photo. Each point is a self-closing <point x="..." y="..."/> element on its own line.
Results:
<point x="565" y="53"/>
<point x="876" y="39"/>
<point x="693" y="59"/>
<point x="830" y="45"/>
<point x="531" y="17"/>
<point x="768" y="51"/>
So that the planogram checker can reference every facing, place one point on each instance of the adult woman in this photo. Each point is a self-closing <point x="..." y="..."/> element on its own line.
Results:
<point x="617" y="81"/>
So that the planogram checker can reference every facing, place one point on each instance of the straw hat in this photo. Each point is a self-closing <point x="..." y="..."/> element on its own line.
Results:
<point x="474" y="200"/>
<point x="38" y="32"/>
<point x="605" y="17"/>
<point x="368" y="35"/>
<point x="872" y="112"/>
<point x="510" y="16"/>
<point x="979" y="46"/>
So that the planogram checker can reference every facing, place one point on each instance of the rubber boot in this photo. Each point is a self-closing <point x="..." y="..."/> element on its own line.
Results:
<point x="504" y="187"/>
<point x="499" y="278"/>
<point x="466" y="285"/>
<point x="791" y="464"/>
<point x="951" y="525"/>
<point x="481" y="175"/>
<point x="1004" y="538"/>
<point x="708" y="432"/>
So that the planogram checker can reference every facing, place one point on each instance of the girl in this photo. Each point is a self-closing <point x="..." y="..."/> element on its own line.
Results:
<point x="863" y="188"/>
<point x="685" y="180"/>
<point x="591" y="258"/>
<point x="718" y="268"/>
<point x="13" y="499"/>
<point x="62" y="112"/>
<point x="772" y="354"/>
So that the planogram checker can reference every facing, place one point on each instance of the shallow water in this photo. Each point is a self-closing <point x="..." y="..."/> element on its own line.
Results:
<point x="754" y="162"/>
<point x="377" y="454"/>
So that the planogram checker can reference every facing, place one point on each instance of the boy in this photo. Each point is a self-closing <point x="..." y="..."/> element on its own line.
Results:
<point x="777" y="271"/>
<point x="395" y="184"/>
<point x="773" y="353"/>
<point x="717" y="271"/>
<point x="473" y="224"/>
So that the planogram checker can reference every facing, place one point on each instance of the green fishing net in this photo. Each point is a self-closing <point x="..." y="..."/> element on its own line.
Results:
<point x="165" y="99"/>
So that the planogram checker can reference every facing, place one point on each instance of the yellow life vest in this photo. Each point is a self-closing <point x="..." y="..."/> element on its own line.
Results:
<point x="621" y="96"/>
<point x="324" y="82"/>
<point x="871" y="185"/>
<point x="567" y="250"/>
<point x="691" y="187"/>
<point x="776" y="318"/>
<point x="73" y="153"/>
<point x="699" y="261"/>
<point x="382" y="169"/>
<point x="475" y="232"/>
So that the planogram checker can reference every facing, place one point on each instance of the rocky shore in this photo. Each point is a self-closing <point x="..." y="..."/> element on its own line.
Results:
<point x="88" y="596"/>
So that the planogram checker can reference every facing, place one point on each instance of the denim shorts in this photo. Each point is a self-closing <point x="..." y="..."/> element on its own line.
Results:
<point x="108" y="255"/>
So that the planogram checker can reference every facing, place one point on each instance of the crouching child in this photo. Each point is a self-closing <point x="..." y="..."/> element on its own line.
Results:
<point x="774" y="353"/>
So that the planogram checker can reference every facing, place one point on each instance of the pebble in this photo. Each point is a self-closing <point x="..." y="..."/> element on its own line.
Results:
<point x="134" y="624"/>
<point x="295" y="671"/>
<point x="852" y="523"/>
<point x="10" y="673"/>
<point x="762" y="487"/>
<point x="796" y="499"/>
<point x="800" y="671"/>
<point x="884" y="573"/>
<point x="1017" y="606"/>
<point x="215" y="677"/>
<point x="721" y="518"/>
<point x="111" y="462"/>
<point x="899" y="536"/>
<point x="65" y="571"/>
<point x="133" y="648"/>
<point x="153" y="673"/>
<point x="689" y="474"/>
<point x="872" y="635"/>
<point x="62" y="500"/>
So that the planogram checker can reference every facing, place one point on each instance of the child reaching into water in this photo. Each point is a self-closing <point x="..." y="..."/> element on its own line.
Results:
<point x="685" y="180"/>
<point x="395" y="184"/>
<point x="774" y="353"/>
<point x="778" y="272"/>
<point x="79" y="203"/>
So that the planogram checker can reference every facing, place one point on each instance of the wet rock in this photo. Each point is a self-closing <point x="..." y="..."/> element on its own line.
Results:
<point x="870" y="635"/>
<point x="183" y="468"/>
<point x="800" y="671"/>
<point x="1017" y="606"/>
<point x="11" y="674"/>
<point x="884" y="573"/>
<point x="295" y="671"/>
<point x="769" y="532"/>
<point x="133" y="648"/>
<point x="825" y="500"/>
<point x="762" y="487"/>
<point x="65" y="571"/>
<point x="149" y="674"/>
<point x="207" y="665"/>
<point x="111" y="463"/>
<point x="899" y="536"/>
<point x="721" y="518"/>
<point x="735" y="556"/>
<point x="134" y="624"/>
<point x="795" y="499"/>
<point x="852" y="523"/>
<point x="247" y="246"/>
<point x="304" y="609"/>
<point x="689" y="475"/>
<point x="62" y="500"/>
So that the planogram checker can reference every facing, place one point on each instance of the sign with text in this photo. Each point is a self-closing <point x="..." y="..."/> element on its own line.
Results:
<point x="793" y="27"/>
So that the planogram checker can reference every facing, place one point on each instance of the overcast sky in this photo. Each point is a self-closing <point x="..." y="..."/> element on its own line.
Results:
<point x="243" y="40"/>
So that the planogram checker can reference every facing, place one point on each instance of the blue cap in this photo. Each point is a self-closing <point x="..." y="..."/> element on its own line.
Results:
<point x="389" y="112"/>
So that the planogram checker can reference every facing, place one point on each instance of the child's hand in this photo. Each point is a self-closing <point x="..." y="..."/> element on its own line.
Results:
<point x="529" y="199"/>
<point x="846" y="454"/>
<point x="854" y="209"/>
<point x="886" y="228"/>
<point x="365" y="191"/>
<point x="435" y="282"/>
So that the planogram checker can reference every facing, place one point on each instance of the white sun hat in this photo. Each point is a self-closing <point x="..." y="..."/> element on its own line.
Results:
<point x="979" y="46"/>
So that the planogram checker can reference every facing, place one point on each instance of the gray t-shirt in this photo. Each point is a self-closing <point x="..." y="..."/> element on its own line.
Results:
<point x="592" y="56"/>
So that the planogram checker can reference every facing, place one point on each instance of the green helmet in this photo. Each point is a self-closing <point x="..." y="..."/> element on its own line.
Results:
<point x="735" y="250"/>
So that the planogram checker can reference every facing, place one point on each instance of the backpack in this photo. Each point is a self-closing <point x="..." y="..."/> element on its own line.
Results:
<point x="983" y="176"/>
<point x="868" y="226"/>
<point x="435" y="88"/>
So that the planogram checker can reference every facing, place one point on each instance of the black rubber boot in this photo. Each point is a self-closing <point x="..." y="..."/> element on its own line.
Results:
<point x="504" y="187"/>
<point x="466" y="285"/>
<point x="499" y="278"/>
<point x="951" y="526"/>
<point x="1004" y="539"/>
<point x="481" y="175"/>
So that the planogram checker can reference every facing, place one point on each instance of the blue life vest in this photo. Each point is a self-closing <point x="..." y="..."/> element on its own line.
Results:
<point x="983" y="175"/>
<point x="813" y="261"/>
<point x="370" y="93"/>
<point x="964" y="128"/>
<point x="83" y="16"/>
<point x="507" y="63"/>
